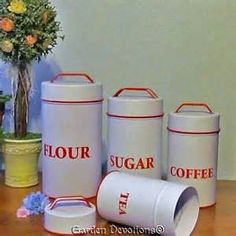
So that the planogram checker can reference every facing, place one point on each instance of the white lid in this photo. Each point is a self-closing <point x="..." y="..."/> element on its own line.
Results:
<point x="64" y="214"/>
<point x="135" y="105"/>
<point x="72" y="87"/>
<point x="195" y="120"/>
<point x="177" y="209"/>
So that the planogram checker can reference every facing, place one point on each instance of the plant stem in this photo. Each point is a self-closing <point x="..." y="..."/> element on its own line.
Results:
<point x="21" y="103"/>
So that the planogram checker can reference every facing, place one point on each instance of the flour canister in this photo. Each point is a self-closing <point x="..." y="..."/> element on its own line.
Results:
<point x="152" y="205"/>
<point x="135" y="132"/>
<point x="70" y="216"/>
<point x="71" y="135"/>
<point x="193" y="149"/>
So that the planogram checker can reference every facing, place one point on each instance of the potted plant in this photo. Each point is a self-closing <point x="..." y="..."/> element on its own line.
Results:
<point x="28" y="31"/>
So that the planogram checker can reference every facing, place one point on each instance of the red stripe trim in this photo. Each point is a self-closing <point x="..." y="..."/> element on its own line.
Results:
<point x="148" y="90"/>
<point x="193" y="132"/>
<point x="135" y="117"/>
<point x="52" y="198"/>
<point x="60" y="199"/>
<point x="72" y="102"/>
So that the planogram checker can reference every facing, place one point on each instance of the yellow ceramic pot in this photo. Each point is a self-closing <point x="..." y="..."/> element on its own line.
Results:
<point x="21" y="162"/>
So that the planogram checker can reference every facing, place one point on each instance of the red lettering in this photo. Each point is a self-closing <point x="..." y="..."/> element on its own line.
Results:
<point x="140" y="164"/>
<point x="85" y="152"/>
<point x="125" y="196"/>
<point x="197" y="173"/>
<point x="172" y="169"/>
<point x="150" y="164"/>
<point x="122" y="206"/>
<point x="71" y="154"/>
<point x="123" y="201"/>
<point x="204" y="173"/>
<point x="191" y="173"/>
<point x="48" y="151"/>
<point x="117" y="164"/>
<point x="60" y="152"/>
<point x="129" y="163"/>
<point x="45" y="149"/>
<point x="51" y="154"/>
<point x="180" y="172"/>
<point x="112" y="162"/>
<point x="211" y="172"/>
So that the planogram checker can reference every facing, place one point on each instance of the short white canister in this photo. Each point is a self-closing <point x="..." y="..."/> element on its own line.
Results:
<point x="70" y="216"/>
<point x="135" y="132"/>
<point x="193" y="149"/>
<point x="71" y="135"/>
<point x="152" y="205"/>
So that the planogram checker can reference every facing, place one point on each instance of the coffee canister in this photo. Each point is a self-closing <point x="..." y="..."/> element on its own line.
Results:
<point x="135" y="132"/>
<point x="161" y="207"/>
<point x="70" y="216"/>
<point x="71" y="135"/>
<point x="193" y="149"/>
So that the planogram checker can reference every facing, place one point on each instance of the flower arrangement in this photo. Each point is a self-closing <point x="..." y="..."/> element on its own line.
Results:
<point x="33" y="204"/>
<point x="28" y="31"/>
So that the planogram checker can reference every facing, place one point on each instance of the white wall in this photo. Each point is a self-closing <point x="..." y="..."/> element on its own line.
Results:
<point x="183" y="49"/>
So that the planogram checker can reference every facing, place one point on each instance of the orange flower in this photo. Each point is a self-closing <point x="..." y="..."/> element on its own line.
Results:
<point x="31" y="40"/>
<point x="7" y="24"/>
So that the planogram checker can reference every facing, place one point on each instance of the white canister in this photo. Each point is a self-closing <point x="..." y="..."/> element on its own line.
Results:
<point x="71" y="135"/>
<point x="70" y="216"/>
<point x="135" y="132"/>
<point x="152" y="205"/>
<point x="193" y="149"/>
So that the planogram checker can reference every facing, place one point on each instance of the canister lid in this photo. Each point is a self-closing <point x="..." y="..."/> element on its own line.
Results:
<point x="73" y="88"/>
<point x="199" y="119"/>
<point x="64" y="214"/>
<point x="135" y="105"/>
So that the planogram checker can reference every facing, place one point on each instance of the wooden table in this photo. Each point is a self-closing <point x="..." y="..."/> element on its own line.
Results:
<point x="219" y="220"/>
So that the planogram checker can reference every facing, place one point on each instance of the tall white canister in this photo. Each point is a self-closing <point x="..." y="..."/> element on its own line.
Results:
<point x="193" y="149"/>
<point x="71" y="135"/>
<point x="135" y="132"/>
<point x="152" y="205"/>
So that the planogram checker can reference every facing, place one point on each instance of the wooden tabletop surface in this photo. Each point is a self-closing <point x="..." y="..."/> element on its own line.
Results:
<point x="219" y="220"/>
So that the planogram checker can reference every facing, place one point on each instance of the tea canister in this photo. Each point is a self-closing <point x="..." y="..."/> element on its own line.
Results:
<point x="70" y="216"/>
<point x="162" y="207"/>
<point x="71" y="135"/>
<point x="135" y="132"/>
<point x="193" y="149"/>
